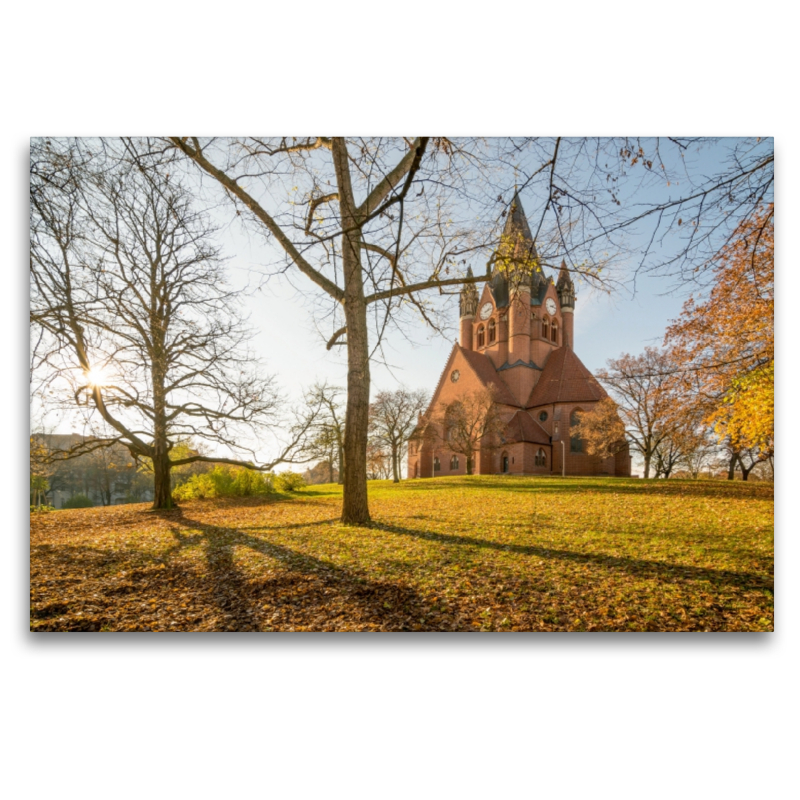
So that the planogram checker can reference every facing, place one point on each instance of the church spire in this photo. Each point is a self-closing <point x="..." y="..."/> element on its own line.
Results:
<point x="516" y="259"/>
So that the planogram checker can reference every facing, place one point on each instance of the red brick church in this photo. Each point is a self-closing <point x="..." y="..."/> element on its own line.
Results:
<point x="517" y="339"/>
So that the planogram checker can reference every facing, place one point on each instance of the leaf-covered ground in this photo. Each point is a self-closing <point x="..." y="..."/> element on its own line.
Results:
<point x="466" y="554"/>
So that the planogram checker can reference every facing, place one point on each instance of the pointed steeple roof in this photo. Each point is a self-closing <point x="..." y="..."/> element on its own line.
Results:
<point x="517" y="223"/>
<point x="517" y="252"/>
<point x="564" y="279"/>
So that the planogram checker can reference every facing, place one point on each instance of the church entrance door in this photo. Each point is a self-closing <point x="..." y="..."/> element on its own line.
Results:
<point x="505" y="463"/>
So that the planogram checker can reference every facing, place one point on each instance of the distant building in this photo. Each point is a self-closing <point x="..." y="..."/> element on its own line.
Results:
<point x="107" y="476"/>
<point x="321" y="473"/>
<point x="517" y="337"/>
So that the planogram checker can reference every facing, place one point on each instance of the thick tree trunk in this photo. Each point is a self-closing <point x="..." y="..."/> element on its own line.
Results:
<point x="732" y="467"/>
<point x="647" y="466"/>
<point x="395" y="465"/>
<point x="355" y="507"/>
<point x="469" y="465"/>
<point x="161" y="482"/>
<point x="745" y="470"/>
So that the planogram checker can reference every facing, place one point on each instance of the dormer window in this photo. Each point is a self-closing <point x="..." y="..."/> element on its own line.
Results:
<point x="492" y="331"/>
<point x="481" y="336"/>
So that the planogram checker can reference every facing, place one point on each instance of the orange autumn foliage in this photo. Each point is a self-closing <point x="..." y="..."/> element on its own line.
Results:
<point x="728" y="339"/>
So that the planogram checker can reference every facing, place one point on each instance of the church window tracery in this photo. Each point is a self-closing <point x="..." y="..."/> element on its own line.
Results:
<point x="540" y="460"/>
<point x="554" y="333"/>
<point x="454" y="462"/>
<point x="481" y="336"/>
<point x="436" y="465"/>
<point x="545" y="328"/>
<point x="492" y="331"/>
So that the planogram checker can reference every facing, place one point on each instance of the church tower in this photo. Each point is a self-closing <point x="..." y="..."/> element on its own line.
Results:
<point x="516" y="339"/>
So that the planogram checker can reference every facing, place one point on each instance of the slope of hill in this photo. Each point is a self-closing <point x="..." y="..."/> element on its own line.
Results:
<point x="458" y="554"/>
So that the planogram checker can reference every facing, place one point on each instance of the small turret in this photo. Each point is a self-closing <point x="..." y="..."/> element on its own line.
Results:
<point x="566" y="297"/>
<point x="468" y="308"/>
<point x="565" y="288"/>
<point x="468" y="303"/>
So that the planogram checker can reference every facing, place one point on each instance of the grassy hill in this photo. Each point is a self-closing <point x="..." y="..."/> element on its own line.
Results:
<point x="472" y="553"/>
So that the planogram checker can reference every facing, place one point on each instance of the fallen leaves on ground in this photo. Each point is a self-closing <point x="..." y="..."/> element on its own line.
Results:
<point x="481" y="553"/>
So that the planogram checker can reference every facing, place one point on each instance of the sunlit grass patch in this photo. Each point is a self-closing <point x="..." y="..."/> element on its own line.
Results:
<point x="469" y="553"/>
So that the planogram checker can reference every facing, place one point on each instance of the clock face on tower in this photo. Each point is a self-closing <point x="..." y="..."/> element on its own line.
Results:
<point x="486" y="310"/>
<point x="550" y="305"/>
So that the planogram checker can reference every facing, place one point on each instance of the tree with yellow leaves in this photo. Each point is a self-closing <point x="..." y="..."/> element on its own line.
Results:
<point x="727" y="340"/>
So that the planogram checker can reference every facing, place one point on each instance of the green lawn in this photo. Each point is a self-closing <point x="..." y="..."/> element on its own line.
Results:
<point x="478" y="553"/>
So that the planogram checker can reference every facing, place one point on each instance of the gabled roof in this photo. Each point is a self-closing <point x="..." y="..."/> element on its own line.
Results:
<point x="521" y="427"/>
<point x="482" y="366"/>
<point x="565" y="379"/>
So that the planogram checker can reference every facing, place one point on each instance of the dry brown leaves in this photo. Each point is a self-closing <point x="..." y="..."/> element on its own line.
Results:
<point x="464" y="554"/>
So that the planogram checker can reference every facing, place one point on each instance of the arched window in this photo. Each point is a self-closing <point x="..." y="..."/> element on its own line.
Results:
<point x="492" y="331"/>
<point x="540" y="460"/>
<point x="545" y="328"/>
<point x="575" y="441"/>
<point x="481" y="336"/>
<point x="436" y="465"/>
<point x="554" y="333"/>
<point x="454" y="462"/>
<point x="504" y="462"/>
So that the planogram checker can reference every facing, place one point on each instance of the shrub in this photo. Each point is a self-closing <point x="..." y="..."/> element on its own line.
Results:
<point x="78" y="501"/>
<point x="288" y="481"/>
<point x="196" y="487"/>
<point x="224" y="481"/>
<point x="247" y="483"/>
<point x="41" y="509"/>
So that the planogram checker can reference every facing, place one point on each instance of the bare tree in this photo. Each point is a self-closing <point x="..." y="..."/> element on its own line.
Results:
<point x="393" y="417"/>
<point x="601" y="430"/>
<point x="470" y="424"/>
<point x="139" y="325"/>
<point x="327" y="434"/>
<point x="645" y="388"/>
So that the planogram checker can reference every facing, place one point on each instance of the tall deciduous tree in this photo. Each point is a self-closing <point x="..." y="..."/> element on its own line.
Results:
<point x="327" y="434"/>
<point x="140" y="325"/>
<point x="646" y="390"/>
<point x="726" y="340"/>
<point x="393" y="417"/>
<point x="601" y="430"/>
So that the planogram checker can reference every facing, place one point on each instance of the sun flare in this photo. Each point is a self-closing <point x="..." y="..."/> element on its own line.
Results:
<point x="96" y="376"/>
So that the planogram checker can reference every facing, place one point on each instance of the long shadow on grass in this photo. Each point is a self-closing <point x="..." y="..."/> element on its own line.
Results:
<point x="313" y="593"/>
<point x="634" y="566"/>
